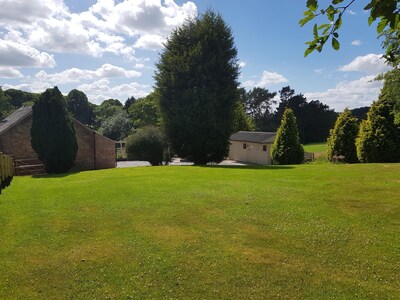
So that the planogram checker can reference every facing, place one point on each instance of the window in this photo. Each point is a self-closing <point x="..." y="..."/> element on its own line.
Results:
<point x="264" y="147"/>
<point x="244" y="146"/>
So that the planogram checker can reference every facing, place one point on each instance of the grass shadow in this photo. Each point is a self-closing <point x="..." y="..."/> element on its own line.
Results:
<point x="249" y="167"/>
<point x="60" y="175"/>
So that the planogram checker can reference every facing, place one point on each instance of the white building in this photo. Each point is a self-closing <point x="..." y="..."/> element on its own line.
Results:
<point x="252" y="147"/>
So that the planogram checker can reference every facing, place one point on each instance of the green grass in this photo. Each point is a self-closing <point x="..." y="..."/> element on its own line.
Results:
<point x="309" y="231"/>
<point x="315" y="148"/>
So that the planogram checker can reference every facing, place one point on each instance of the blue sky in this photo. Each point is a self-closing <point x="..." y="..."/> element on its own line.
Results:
<point x="108" y="48"/>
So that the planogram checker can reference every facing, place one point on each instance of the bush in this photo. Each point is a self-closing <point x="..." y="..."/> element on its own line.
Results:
<point x="149" y="144"/>
<point x="342" y="138"/>
<point x="379" y="137"/>
<point x="52" y="132"/>
<point x="287" y="148"/>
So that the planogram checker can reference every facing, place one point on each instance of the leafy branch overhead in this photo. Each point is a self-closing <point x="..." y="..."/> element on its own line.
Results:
<point x="386" y="12"/>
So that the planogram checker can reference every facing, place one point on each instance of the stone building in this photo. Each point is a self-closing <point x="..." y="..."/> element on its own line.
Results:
<point x="94" y="150"/>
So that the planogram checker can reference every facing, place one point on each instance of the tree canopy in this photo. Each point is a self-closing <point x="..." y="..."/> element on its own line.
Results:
<point x="78" y="105"/>
<point x="196" y="79"/>
<point x="384" y="12"/>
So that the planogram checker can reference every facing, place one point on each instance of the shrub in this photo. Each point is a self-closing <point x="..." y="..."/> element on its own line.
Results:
<point x="52" y="132"/>
<point x="149" y="144"/>
<point x="287" y="148"/>
<point x="379" y="137"/>
<point x="342" y="138"/>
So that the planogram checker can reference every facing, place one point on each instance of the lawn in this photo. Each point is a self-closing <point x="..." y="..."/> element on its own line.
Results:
<point x="314" y="231"/>
<point x="315" y="148"/>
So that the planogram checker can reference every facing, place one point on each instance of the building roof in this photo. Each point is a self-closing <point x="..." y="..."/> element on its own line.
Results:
<point x="16" y="117"/>
<point x="254" y="137"/>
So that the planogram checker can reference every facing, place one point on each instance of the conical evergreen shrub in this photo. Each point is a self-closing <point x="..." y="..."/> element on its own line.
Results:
<point x="379" y="138"/>
<point x="287" y="149"/>
<point x="342" y="138"/>
<point x="52" y="132"/>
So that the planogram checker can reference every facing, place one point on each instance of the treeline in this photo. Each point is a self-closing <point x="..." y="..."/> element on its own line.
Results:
<point x="262" y="112"/>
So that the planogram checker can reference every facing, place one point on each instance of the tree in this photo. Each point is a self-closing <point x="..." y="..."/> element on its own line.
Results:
<point x="148" y="144"/>
<point x="314" y="119"/>
<point x="52" y="132"/>
<point x="117" y="127"/>
<point x="391" y="90"/>
<point x="258" y="104"/>
<point x="5" y="106"/>
<point x="241" y="120"/>
<point x="106" y="110"/>
<point x="128" y="103"/>
<point x="145" y="111"/>
<point x="342" y="138"/>
<point x="286" y="148"/>
<point x="360" y="113"/>
<point x="20" y="98"/>
<point x="196" y="79"/>
<point x="386" y="12"/>
<point x="379" y="138"/>
<point x="78" y="106"/>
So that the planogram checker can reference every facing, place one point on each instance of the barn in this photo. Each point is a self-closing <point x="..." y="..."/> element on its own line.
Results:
<point x="94" y="150"/>
<point x="251" y="147"/>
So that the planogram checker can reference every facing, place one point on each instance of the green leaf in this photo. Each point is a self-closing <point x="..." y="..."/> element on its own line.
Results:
<point x="305" y="20"/>
<point x="370" y="20"/>
<point x="315" y="31"/>
<point x="381" y="26"/>
<point x="312" y="5"/>
<point x="335" y="44"/>
<point x="336" y="35"/>
<point x="308" y="51"/>
<point x="338" y="23"/>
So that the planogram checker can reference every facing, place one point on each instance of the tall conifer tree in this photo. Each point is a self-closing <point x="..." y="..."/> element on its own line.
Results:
<point x="197" y="83"/>
<point x="52" y="132"/>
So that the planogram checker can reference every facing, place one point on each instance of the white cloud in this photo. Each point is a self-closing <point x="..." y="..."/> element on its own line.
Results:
<point x="19" y="55"/>
<point x="351" y="12"/>
<point x="271" y="78"/>
<point x="23" y="12"/>
<point x="370" y="64"/>
<point x="102" y="89"/>
<point x="356" y="43"/>
<point x="350" y="94"/>
<point x="31" y="87"/>
<point x="9" y="72"/>
<point x="105" y="27"/>
<point x="150" y="42"/>
<point x="77" y="75"/>
<point x="242" y="64"/>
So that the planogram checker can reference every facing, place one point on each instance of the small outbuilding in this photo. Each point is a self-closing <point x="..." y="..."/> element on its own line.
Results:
<point x="252" y="147"/>
<point x="94" y="150"/>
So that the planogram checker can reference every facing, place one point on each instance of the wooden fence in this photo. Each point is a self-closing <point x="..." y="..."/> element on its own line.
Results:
<point x="6" y="171"/>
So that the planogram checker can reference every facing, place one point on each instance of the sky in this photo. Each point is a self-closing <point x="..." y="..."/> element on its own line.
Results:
<point x="108" y="48"/>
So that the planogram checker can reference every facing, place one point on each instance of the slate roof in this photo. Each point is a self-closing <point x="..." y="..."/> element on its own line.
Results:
<point x="16" y="117"/>
<point x="254" y="137"/>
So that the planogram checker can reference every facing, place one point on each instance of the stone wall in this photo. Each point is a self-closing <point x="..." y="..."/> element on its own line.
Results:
<point x="105" y="153"/>
<point x="17" y="140"/>
<point x="85" y="156"/>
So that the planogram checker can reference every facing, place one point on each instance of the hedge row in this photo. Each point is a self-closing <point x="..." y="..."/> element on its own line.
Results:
<point x="6" y="171"/>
